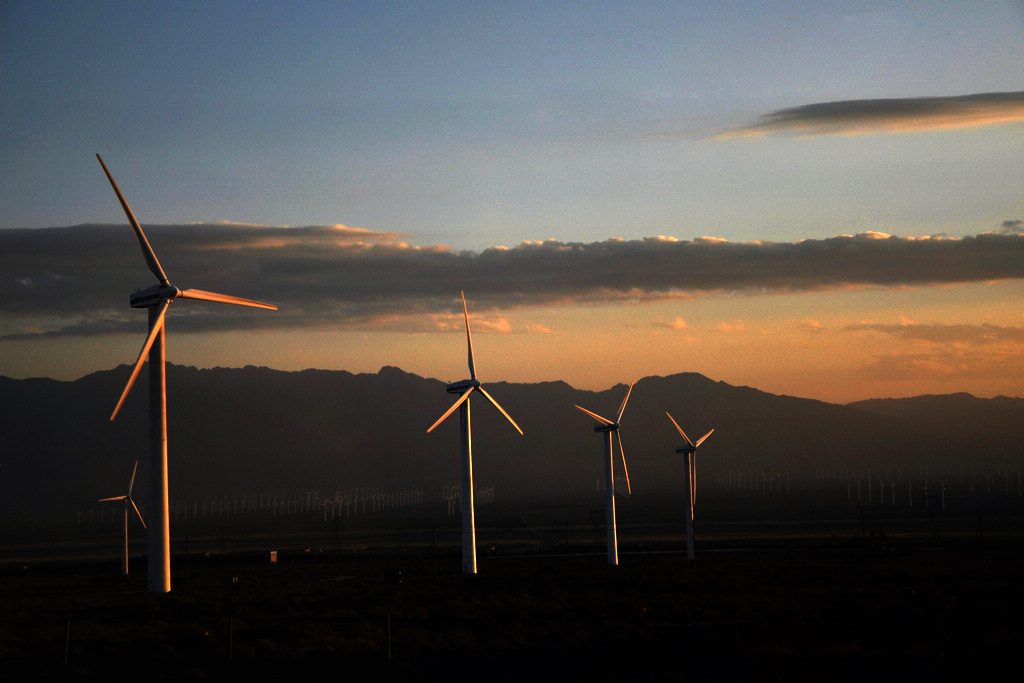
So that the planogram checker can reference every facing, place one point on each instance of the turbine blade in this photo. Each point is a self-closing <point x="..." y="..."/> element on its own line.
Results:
<point x="137" y="512"/>
<point x="623" y="406"/>
<point x="500" y="409"/>
<point x="625" y="469"/>
<point x="681" y="432"/>
<point x="603" y="420"/>
<point x="451" y="410"/>
<point x="131" y="483"/>
<point x="701" y="439"/>
<point x="223" y="298"/>
<point x="104" y="500"/>
<point x="153" y="332"/>
<point x="469" y="338"/>
<point x="693" y="482"/>
<point x="147" y="251"/>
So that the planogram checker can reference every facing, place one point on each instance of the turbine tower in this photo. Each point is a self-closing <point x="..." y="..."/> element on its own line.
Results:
<point x="690" y="451"/>
<point x="157" y="299"/>
<point x="464" y="389"/>
<point x="127" y="498"/>
<point x="608" y="427"/>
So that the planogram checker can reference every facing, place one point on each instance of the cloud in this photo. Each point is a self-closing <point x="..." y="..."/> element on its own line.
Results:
<point x="676" y="324"/>
<point x="904" y="115"/>
<point x="727" y="327"/>
<point x="952" y="365"/>
<point x="936" y="333"/>
<point x="811" y="326"/>
<point x="76" y="280"/>
<point x="1014" y="227"/>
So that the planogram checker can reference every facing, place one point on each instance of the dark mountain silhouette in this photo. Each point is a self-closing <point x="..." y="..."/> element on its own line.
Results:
<point x="257" y="430"/>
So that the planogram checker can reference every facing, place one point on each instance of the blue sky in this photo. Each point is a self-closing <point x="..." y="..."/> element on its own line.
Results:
<point x="466" y="126"/>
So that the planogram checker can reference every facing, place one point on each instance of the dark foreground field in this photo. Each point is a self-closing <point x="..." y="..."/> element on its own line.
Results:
<point x="820" y="607"/>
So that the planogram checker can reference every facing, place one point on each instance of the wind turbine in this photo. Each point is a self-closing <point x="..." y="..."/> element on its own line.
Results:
<point x="690" y="451"/>
<point x="127" y="498"/>
<point x="157" y="299"/>
<point x="608" y="427"/>
<point x="464" y="389"/>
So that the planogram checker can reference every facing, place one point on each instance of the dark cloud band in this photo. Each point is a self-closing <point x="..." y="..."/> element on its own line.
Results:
<point x="76" y="280"/>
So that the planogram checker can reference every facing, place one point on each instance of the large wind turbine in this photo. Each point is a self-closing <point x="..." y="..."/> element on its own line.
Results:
<point x="157" y="299"/>
<point x="464" y="388"/>
<point x="690" y="451"/>
<point x="127" y="498"/>
<point x="607" y="427"/>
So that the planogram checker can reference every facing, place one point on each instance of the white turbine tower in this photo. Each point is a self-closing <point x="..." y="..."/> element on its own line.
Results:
<point x="608" y="427"/>
<point x="690" y="451"/>
<point x="464" y="389"/>
<point x="127" y="498"/>
<point x="157" y="299"/>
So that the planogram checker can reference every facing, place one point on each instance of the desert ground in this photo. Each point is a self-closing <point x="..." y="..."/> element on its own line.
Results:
<point x="814" y="587"/>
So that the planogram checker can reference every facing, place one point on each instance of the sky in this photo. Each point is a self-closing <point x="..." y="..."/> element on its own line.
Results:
<point x="816" y="199"/>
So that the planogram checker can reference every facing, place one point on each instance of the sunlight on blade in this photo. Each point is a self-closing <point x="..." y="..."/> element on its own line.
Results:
<point x="701" y="439"/>
<point x="223" y="298"/>
<point x="623" y="406"/>
<point x="681" y="432"/>
<point x="625" y="470"/>
<point x="156" y="329"/>
<point x="693" y="482"/>
<point x="469" y="338"/>
<point x="451" y="410"/>
<point x="500" y="409"/>
<point x="602" y="420"/>
<point x="138" y="513"/>
<point x="147" y="251"/>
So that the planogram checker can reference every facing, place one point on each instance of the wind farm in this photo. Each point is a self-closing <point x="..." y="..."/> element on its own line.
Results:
<point x="306" y="564"/>
<point x="801" y="234"/>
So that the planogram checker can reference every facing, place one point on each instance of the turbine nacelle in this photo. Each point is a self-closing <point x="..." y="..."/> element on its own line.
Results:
<point x="463" y="386"/>
<point x="151" y="296"/>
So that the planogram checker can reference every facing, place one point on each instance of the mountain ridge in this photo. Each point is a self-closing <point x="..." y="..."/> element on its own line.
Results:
<point x="260" y="430"/>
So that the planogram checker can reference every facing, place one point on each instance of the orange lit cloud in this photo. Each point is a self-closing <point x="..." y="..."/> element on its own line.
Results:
<point x="677" y="324"/>
<point x="946" y="334"/>
<point x="902" y="115"/>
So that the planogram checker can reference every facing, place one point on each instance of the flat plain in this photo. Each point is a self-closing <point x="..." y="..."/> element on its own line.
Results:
<point x="839" y="591"/>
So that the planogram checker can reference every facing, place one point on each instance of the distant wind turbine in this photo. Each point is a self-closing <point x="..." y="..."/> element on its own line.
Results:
<point x="464" y="389"/>
<point x="157" y="299"/>
<point x="690" y="451"/>
<point x="608" y="427"/>
<point x="127" y="498"/>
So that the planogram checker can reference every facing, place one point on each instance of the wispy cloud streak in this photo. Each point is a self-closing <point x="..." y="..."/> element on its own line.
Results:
<point x="76" y="280"/>
<point x="975" y="335"/>
<point x="902" y="115"/>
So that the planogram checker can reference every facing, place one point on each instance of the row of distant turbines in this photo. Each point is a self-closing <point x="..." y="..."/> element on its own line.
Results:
<point x="158" y="298"/>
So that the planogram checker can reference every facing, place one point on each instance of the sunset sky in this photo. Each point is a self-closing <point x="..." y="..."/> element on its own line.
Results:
<point x="816" y="199"/>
